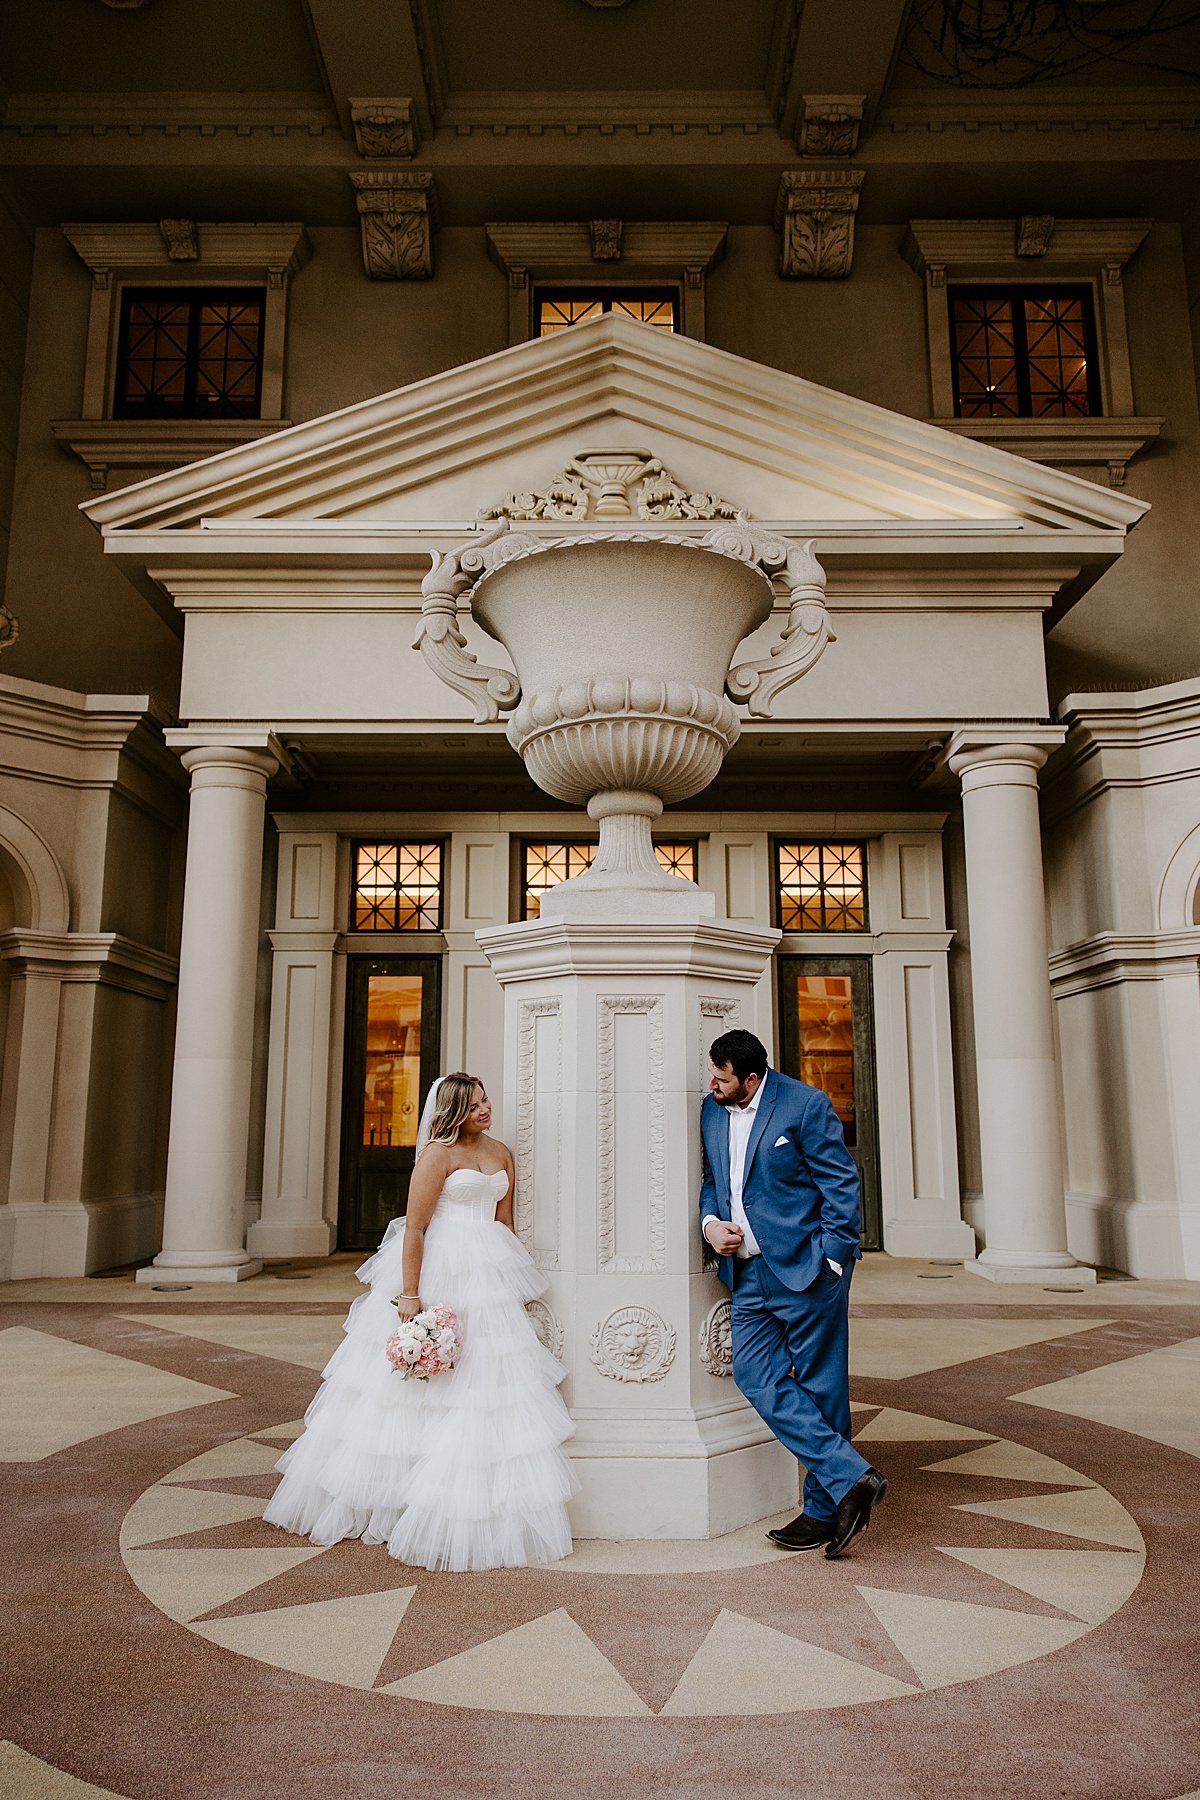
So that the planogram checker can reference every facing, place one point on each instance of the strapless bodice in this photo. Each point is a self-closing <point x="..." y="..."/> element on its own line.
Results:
<point x="469" y="1194"/>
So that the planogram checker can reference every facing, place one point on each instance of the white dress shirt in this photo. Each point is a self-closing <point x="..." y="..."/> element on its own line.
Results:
<point x="741" y="1124"/>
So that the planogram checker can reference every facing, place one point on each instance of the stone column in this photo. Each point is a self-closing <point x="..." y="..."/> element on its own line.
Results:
<point x="203" y="1226"/>
<point x="1023" y="1206"/>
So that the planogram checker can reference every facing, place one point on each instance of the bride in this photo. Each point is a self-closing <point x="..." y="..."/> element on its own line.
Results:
<point x="465" y="1470"/>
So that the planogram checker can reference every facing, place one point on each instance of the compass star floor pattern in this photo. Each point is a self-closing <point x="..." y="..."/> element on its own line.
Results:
<point x="1015" y="1622"/>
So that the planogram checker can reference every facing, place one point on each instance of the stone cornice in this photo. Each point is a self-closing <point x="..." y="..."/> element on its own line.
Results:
<point x="169" y="112"/>
<point x="105" y="444"/>
<point x="555" y="948"/>
<point x="1113" y="956"/>
<point x="1105" y="109"/>
<point x="1110" y="442"/>
<point x="273" y="249"/>
<point x="636" y="109"/>
<point x="540" y="250"/>
<point x="978" y="245"/>
<point x="91" y="956"/>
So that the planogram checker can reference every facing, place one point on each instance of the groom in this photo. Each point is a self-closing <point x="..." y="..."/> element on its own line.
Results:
<point x="779" y="1205"/>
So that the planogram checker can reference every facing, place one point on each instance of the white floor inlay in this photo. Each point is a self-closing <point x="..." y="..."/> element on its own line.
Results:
<point x="186" y="1583"/>
<point x="1089" y="1583"/>
<point x="27" y="1777"/>
<point x="1003" y="1461"/>
<point x="1086" y="1513"/>
<point x="167" y="1512"/>
<point x="55" y="1393"/>
<point x="334" y="1640"/>
<point x="894" y="1349"/>
<point x="892" y="1426"/>
<point x="241" y="1456"/>
<point x="548" y="1666"/>
<point x="307" y="1339"/>
<point x="951" y="1640"/>
<point x="744" y="1666"/>
<point x="1155" y="1396"/>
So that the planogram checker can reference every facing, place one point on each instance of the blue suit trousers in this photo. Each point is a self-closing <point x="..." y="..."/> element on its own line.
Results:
<point x="790" y="1360"/>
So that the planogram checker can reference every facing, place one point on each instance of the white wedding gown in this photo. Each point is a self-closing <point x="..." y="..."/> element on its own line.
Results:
<point x="465" y="1470"/>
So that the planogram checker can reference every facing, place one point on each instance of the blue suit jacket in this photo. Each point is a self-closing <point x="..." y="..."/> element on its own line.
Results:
<point x="801" y="1196"/>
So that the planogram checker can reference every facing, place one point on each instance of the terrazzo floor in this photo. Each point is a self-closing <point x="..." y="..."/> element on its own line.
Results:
<point x="1019" y="1622"/>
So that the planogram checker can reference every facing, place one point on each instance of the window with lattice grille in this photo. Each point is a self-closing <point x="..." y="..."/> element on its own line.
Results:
<point x="190" y="354"/>
<point x="397" y="887"/>
<point x="1024" y="353"/>
<point x="821" y="886"/>
<point x="545" y="864"/>
<point x="554" y="309"/>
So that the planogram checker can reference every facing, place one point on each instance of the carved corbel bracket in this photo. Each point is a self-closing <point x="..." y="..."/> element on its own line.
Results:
<point x="398" y="214"/>
<point x="441" y="642"/>
<point x="807" y="631"/>
<point x="384" y="127"/>
<point x="815" y="211"/>
<point x="829" y="124"/>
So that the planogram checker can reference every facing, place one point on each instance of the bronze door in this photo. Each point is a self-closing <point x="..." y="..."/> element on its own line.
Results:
<point x="393" y="1009"/>
<point x="827" y="1040"/>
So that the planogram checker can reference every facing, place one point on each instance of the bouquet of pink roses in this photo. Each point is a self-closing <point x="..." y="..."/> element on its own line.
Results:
<point x="427" y="1344"/>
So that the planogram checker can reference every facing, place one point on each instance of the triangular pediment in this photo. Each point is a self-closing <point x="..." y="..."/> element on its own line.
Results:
<point x="767" y="443"/>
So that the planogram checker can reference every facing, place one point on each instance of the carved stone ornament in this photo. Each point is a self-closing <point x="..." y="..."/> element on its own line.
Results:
<point x="384" y="127"/>
<point x="9" y="631"/>
<point x="815" y="212"/>
<point x="547" y="1327"/>
<point x="805" y="635"/>
<point x="633" y="1344"/>
<point x="606" y="239"/>
<point x="179" y="239"/>
<point x="396" y="209"/>
<point x="716" y="1339"/>
<point x="1034" y="231"/>
<point x="612" y="484"/>
<point x="442" y="643"/>
<point x="829" y="124"/>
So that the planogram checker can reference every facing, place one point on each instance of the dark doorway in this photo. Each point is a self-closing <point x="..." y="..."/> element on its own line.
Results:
<point x="393" y="1010"/>
<point x="827" y="1040"/>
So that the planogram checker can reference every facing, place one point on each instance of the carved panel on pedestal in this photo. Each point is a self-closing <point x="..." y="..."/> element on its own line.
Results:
<point x="716" y="1339"/>
<point x="547" y="1327"/>
<point x="633" y="1344"/>
<point x="539" y="1129"/>
<point x="631" y="1185"/>
<point x="716" y="1016"/>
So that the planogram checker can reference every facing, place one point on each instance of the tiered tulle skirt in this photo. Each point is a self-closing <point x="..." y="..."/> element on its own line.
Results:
<point x="464" y="1471"/>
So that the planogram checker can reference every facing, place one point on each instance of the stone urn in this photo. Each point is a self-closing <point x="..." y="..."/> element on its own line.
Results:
<point x="622" y="641"/>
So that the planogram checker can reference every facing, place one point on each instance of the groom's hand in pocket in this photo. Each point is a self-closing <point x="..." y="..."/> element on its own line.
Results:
<point x="725" y="1239"/>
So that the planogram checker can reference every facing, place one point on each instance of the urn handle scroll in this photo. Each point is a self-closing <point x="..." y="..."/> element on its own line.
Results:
<point x="442" y="643"/>
<point x="805" y="635"/>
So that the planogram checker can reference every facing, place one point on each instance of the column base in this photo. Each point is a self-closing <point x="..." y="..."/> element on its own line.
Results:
<point x="1072" y="1274"/>
<point x="188" y="1273"/>
<point x="929" y="1238"/>
<point x="682" y="1497"/>
<point x="290" y="1237"/>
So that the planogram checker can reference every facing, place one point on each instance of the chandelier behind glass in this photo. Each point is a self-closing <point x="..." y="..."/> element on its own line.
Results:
<point x="1015" y="43"/>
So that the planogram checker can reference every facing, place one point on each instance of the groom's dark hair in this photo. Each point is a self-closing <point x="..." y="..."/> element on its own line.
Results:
<point x="741" y="1051"/>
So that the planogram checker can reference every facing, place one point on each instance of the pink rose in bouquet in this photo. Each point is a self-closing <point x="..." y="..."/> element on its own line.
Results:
<point x="427" y="1344"/>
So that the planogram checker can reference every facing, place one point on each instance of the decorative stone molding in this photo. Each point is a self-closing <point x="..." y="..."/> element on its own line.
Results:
<point x="716" y="1339"/>
<point x="805" y="635"/>
<point x="161" y="254"/>
<point x="651" y="1007"/>
<point x="549" y="1331"/>
<point x="1034" y="231"/>
<point x="1082" y="250"/>
<point x="633" y="1344"/>
<point x="606" y="237"/>
<point x="954" y="113"/>
<point x="611" y="484"/>
<point x="384" y="127"/>
<point x="681" y="251"/>
<point x="179" y="239"/>
<point x="442" y="643"/>
<point x="397" y="213"/>
<point x="716" y="1016"/>
<point x="814" y="211"/>
<point x="9" y="628"/>
<point x="829" y="124"/>
<point x="92" y="116"/>
<point x="546" y="1256"/>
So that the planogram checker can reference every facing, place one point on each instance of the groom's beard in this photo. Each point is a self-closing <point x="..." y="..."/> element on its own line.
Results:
<point x="737" y="1098"/>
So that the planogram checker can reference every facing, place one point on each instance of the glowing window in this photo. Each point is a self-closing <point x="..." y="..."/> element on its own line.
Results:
<point x="397" y="887"/>
<point x="555" y="310"/>
<point x="1019" y="353"/>
<point x="821" y="886"/>
<point x="190" y="354"/>
<point x="546" y="864"/>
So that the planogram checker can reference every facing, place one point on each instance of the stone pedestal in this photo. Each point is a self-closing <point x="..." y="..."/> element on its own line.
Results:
<point x="607" y="1028"/>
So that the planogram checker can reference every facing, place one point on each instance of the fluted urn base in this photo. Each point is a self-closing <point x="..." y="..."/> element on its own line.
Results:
<point x="626" y="881"/>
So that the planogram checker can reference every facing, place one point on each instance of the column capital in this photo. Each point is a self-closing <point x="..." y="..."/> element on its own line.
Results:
<point x="228" y="756"/>
<point x="1006" y="756"/>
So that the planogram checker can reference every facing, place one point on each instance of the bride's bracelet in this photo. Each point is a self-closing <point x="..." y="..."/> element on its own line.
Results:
<point x="410" y="1296"/>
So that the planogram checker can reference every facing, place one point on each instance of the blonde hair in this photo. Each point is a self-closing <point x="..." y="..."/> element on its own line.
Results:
<point x="455" y="1098"/>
